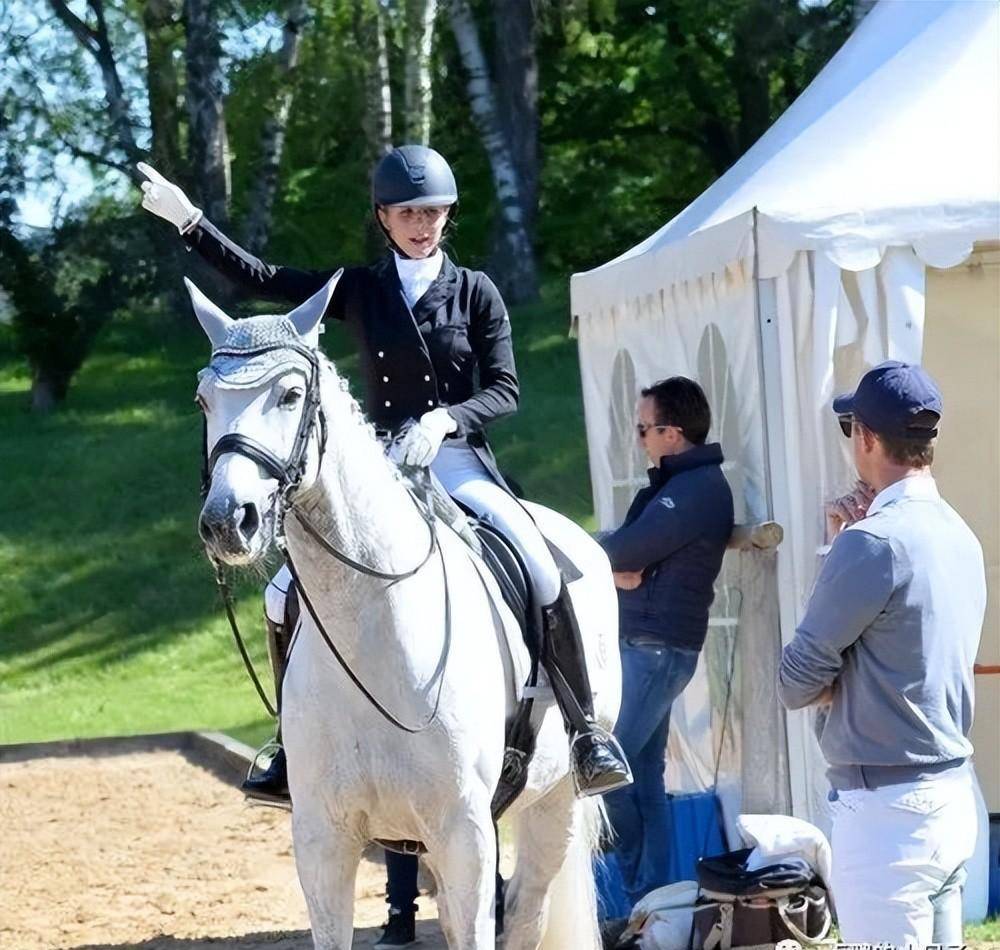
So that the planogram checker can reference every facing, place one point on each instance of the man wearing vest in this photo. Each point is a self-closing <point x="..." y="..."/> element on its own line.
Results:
<point x="888" y="643"/>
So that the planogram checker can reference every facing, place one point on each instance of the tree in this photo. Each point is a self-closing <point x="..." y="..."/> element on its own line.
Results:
<point x="161" y="27"/>
<point x="208" y="143"/>
<point x="517" y="94"/>
<point x="273" y="130"/>
<point x="370" y="30"/>
<point x="420" y="20"/>
<point x="64" y="288"/>
<point x="515" y="270"/>
<point x="94" y="38"/>
<point x="643" y="105"/>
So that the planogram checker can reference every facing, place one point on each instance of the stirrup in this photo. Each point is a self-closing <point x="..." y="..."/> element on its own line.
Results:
<point x="272" y="746"/>
<point x="584" y="785"/>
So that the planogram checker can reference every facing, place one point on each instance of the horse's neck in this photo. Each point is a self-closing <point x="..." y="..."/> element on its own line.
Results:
<point x="359" y="505"/>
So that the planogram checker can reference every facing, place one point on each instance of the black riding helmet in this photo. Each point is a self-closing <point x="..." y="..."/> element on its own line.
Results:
<point x="413" y="176"/>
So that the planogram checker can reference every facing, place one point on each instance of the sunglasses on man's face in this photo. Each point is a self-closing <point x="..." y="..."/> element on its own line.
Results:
<point x="846" y="425"/>
<point x="642" y="428"/>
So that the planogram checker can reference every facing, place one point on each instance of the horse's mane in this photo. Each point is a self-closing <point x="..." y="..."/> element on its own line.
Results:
<point x="346" y="420"/>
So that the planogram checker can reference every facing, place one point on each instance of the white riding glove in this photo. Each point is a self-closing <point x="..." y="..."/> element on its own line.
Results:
<point x="423" y="439"/>
<point x="167" y="201"/>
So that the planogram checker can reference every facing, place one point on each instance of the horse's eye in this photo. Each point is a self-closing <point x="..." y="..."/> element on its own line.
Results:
<point x="290" y="398"/>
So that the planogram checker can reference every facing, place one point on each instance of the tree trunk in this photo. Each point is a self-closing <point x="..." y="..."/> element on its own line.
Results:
<point x="208" y="144"/>
<point x="95" y="40"/>
<point x="420" y="17"/>
<point x="515" y="267"/>
<point x="517" y="95"/>
<point x="160" y="26"/>
<point x="370" y="30"/>
<point x="272" y="136"/>
<point x="47" y="390"/>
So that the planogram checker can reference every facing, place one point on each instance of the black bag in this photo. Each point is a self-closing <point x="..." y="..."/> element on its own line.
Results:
<point x="741" y="908"/>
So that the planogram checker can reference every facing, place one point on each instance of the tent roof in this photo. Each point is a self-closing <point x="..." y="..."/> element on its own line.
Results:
<point x="895" y="142"/>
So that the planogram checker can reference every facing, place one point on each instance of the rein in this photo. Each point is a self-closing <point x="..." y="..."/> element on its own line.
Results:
<point x="289" y="476"/>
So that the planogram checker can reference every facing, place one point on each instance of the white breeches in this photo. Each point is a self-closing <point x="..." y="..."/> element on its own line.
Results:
<point x="458" y="468"/>
<point x="899" y="856"/>
<point x="464" y="477"/>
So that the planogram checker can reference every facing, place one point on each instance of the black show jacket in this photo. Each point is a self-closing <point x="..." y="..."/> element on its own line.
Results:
<point x="452" y="349"/>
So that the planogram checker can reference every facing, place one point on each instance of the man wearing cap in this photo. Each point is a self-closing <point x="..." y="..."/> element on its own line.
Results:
<point x="888" y="641"/>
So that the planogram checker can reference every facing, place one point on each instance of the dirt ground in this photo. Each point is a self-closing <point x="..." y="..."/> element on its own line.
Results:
<point x="147" y="850"/>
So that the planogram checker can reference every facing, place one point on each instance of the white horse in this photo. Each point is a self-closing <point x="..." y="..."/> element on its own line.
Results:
<point x="425" y="645"/>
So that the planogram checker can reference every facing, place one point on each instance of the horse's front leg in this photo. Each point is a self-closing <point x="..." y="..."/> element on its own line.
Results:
<point x="463" y="858"/>
<point x="327" y="853"/>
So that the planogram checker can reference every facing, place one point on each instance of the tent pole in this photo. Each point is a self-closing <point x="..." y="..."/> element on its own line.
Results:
<point x="780" y="510"/>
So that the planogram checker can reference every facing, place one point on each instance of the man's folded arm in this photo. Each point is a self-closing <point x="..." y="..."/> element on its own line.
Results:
<point x="664" y="526"/>
<point x="853" y="587"/>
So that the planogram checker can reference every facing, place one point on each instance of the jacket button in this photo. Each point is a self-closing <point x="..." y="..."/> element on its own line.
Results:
<point x="427" y="379"/>
<point x="388" y="403"/>
<point x="385" y="379"/>
<point x="430" y="402"/>
<point x="381" y="355"/>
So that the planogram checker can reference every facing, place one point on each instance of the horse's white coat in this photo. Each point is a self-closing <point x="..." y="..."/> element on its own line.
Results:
<point x="355" y="777"/>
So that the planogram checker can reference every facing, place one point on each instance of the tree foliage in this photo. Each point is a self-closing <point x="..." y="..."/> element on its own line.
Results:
<point x="614" y="114"/>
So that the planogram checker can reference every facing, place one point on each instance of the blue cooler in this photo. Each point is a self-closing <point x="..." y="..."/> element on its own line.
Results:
<point x="697" y="832"/>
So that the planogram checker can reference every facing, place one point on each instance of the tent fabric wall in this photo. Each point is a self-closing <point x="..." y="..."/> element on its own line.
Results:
<point x="962" y="351"/>
<point x="705" y="330"/>
<point x="832" y="326"/>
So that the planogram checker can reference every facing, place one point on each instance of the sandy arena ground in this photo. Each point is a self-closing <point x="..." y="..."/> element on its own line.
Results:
<point x="147" y="850"/>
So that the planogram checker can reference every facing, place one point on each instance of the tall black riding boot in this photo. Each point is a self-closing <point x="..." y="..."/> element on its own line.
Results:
<point x="599" y="764"/>
<point x="271" y="785"/>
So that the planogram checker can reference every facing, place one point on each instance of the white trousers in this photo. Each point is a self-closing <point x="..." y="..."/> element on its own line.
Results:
<point x="458" y="468"/>
<point x="464" y="477"/>
<point x="899" y="856"/>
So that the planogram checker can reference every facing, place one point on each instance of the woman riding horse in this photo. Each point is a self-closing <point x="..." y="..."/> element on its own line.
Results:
<point x="435" y="346"/>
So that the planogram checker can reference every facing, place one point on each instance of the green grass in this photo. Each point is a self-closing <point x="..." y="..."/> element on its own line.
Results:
<point x="985" y="936"/>
<point x="110" y="623"/>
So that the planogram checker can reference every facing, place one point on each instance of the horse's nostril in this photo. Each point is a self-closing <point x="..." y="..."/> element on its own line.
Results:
<point x="247" y="520"/>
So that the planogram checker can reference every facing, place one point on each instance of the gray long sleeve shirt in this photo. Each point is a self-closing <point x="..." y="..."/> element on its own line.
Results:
<point x="893" y="624"/>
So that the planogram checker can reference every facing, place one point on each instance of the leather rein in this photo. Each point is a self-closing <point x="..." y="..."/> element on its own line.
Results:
<point x="289" y="475"/>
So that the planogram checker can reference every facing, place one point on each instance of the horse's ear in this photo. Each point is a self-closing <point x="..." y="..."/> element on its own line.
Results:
<point x="306" y="317"/>
<point x="213" y="321"/>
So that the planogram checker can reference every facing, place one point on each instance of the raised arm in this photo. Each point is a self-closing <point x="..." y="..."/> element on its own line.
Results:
<point x="256" y="277"/>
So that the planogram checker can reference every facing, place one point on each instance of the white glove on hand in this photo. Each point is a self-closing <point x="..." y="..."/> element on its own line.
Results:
<point x="423" y="439"/>
<point x="167" y="201"/>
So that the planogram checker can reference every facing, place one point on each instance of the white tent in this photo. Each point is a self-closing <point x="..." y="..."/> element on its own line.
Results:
<point x="820" y="253"/>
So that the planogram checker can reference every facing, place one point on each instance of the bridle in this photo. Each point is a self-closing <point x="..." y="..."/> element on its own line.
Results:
<point x="289" y="475"/>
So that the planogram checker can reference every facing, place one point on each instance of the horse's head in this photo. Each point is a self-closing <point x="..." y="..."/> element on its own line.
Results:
<point x="263" y="425"/>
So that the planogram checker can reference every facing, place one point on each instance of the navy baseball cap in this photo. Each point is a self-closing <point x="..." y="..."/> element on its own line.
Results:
<point x="898" y="400"/>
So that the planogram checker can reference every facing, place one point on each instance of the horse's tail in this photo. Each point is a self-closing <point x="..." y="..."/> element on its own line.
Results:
<point x="572" y="918"/>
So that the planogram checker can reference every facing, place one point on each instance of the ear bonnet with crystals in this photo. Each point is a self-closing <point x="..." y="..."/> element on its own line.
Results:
<point x="256" y="350"/>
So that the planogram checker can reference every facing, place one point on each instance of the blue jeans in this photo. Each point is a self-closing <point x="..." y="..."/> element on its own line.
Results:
<point x="652" y="678"/>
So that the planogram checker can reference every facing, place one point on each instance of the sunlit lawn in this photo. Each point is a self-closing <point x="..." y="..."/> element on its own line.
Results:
<point x="109" y="618"/>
